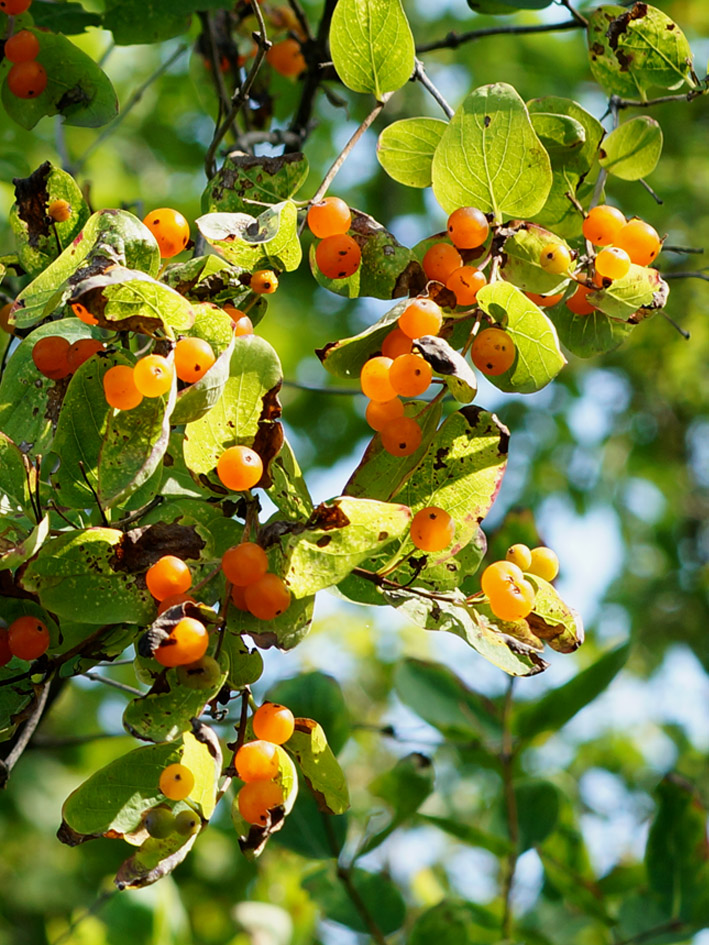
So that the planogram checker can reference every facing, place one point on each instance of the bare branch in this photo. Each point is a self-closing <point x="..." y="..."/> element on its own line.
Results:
<point x="107" y="681"/>
<point x="420" y="75"/>
<point x="453" y="40"/>
<point x="8" y="763"/>
<point x="652" y="193"/>
<point x="576" y="15"/>
<point x="683" y="97"/>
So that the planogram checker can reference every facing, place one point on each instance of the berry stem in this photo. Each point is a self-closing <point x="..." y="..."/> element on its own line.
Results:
<point x="420" y="74"/>
<point x="230" y="770"/>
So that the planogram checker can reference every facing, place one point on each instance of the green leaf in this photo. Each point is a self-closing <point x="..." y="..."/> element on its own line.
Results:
<point x="154" y="860"/>
<point x="632" y="51"/>
<point x="460" y="378"/>
<point x="470" y="834"/>
<point x="146" y="21"/>
<point x="324" y="777"/>
<point x="560" y="134"/>
<point x="538" y="807"/>
<point x="14" y="486"/>
<point x="557" y="706"/>
<point x="310" y="832"/>
<point x="289" y="491"/>
<point x="559" y="213"/>
<point x="319" y="696"/>
<point x="269" y="241"/>
<point x="633" y="149"/>
<point x="347" y="357"/>
<point x="371" y="45"/>
<point x="405" y="149"/>
<point x="244" y="181"/>
<point x="576" y="160"/>
<point x="454" y="922"/>
<point x="337" y="537"/>
<point x="641" y="288"/>
<point x="404" y="788"/>
<point x="77" y="89"/>
<point x="68" y="18"/>
<point x="285" y="632"/>
<point x="245" y="665"/>
<point x="552" y="620"/>
<point x="490" y="157"/>
<point x="587" y="336"/>
<point x="12" y="557"/>
<point x="380" y="897"/>
<point x="38" y="238"/>
<point x="538" y="359"/>
<point x="522" y="259"/>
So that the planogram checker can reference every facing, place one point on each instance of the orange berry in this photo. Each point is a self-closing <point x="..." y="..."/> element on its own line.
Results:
<point x="5" y="651"/>
<point x="50" y="356"/>
<point x="169" y="575"/>
<point x="329" y="217"/>
<point x="176" y="782"/>
<point x="466" y="282"/>
<point x="245" y="563"/>
<point x="59" y="210"/>
<point x="243" y="326"/>
<point x="273" y="723"/>
<point x="421" y="317"/>
<point x="514" y="601"/>
<point x="468" y="227"/>
<point x="555" y="258"/>
<point x="170" y="229"/>
<point x="153" y="375"/>
<point x="396" y="343"/>
<point x="239" y="468"/>
<point x="27" y="638"/>
<point x="119" y="388"/>
<point x="193" y="358"/>
<point x="578" y="303"/>
<point x="612" y="263"/>
<point x="173" y="601"/>
<point x="640" y="241"/>
<point x="401" y="437"/>
<point x="520" y="555"/>
<point x="498" y="575"/>
<point x="338" y="256"/>
<point x="257" y="761"/>
<point x="410" y="375"/>
<point x="493" y="352"/>
<point x="257" y="799"/>
<point x="287" y="58"/>
<point x="5" y="319"/>
<point x="264" y="282"/>
<point x="27" y="79"/>
<point x="545" y="301"/>
<point x="380" y="412"/>
<point x="544" y="563"/>
<point x="23" y="46"/>
<point x="187" y="642"/>
<point x="268" y="597"/>
<point x="81" y="351"/>
<point x="374" y="379"/>
<point x="432" y="529"/>
<point x="83" y="314"/>
<point x="238" y="597"/>
<point x="14" y="7"/>
<point x="602" y="225"/>
<point x="440" y="261"/>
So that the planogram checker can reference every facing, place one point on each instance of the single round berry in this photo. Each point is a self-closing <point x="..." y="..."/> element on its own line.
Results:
<point x="338" y="257"/>
<point x="243" y="326"/>
<point x="51" y="356"/>
<point x="465" y="283"/>
<point x="83" y="314"/>
<point x="513" y="602"/>
<point x="239" y="468"/>
<point x="176" y="782"/>
<point x="602" y="225"/>
<point x="59" y="211"/>
<point x="187" y="823"/>
<point x="264" y="282"/>
<point x="27" y="79"/>
<point x="193" y="358"/>
<point x="380" y="412"/>
<point x="401" y="437"/>
<point x="410" y="375"/>
<point x="421" y="317"/>
<point x="5" y="318"/>
<point x="14" y="7"/>
<point x="396" y="343"/>
<point x="238" y="598"/>
<point x="5" y="651"/>
<point x="153" y="375"/>
<point x="257" y="761"/>
<point x="174" y="600"/>
<point x="245" y="563"/>
<point x="520" y="555"/>
<point x="23" y="46"/>
<point x="440" y="261"/>
<point x="432" y="529"/>
<point x="498" y="575"/>
<point x="640" y="241"/>
<point x="28" y="638"/>
<point x="204" y="673"/>
<point x="555" y="258"/>
<point x="545" y="301"/>
<point x="468" y="227"/>
<point x="287" y="58"/>
<point x="578" y="303"/>
<point x="544" y="563"/>
<point x="170" y="229"/>
<point x="187" y="642"/>
<point x="329" y="217"/>
<point x="81" y="351"/>
<point x="169" y="575"/>
<point x="374" y="379"/>
<point x="119" y="388"/>
<point x="493" y="352"/>
<point x="273" y="723"/>
<point x="268" y="597"/>
<point x="257" y="799"/>
<point x="159" y="822"/>
<point x="612" y="263"/>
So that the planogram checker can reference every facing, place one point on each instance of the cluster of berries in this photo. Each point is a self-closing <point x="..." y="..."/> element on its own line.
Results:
<point x="254" y="589"/>
<point x="27" y="638"/>
<point x="55" y="357"/>
<point x="257" y="764"/>
<point x="161" y="823"/>
<point x="510" y="595"/>
<point x="468" y="229"/>
<point x="168" y="580"/>
<point x="337" y="255"/>
<point x="27" y="78"/>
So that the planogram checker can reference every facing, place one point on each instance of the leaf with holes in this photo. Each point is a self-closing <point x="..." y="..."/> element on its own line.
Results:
<point x="268" y="241"/>
<point x="308" y="745"/>
<point x="244" y="182"/>
<point x="640" y="288"/>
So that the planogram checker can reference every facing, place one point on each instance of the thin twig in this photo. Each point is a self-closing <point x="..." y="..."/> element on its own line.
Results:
<point x="507" y="758"/>
<point x="603" y="173"/>
<point x="344" y="391"/>
<point x="230" y="772"/>
<point x="661" y="100"/>
<point x="652" y="193"/>
<point x="420" y="75"/>
<point x="93" y="491"/>
<point x="698" y="250"/>
<point x="453" y="40"/>
<point x="682" y="331"/>
<point x="107" y="681"/>
<point x="301" y="18"/>
<point x="315" y="53"/>
<point x="8" y="763"/>
<point x="576" y="15"/>
<point x="697" y="274"/>
<point x="51" y="741"/>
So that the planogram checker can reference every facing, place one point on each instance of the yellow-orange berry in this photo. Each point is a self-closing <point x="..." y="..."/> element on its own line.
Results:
<point x="468" y="227"/>
<point x="493" y="352"/>
<point x="545" y="301"/>
<point x="22" y="46"/>
<point x="329" y="217"/>
<point x="555" y="258"/>
<point x="51" y="356"/>
<point x="578" y="303"/>
<point x="440" y="260"/>
<point x="27" y="638"/>
<point x="498" y="575"/>
<point x="273" y="723"/>
<point x="81" y="351"/>
<point x="465" y="283"/>
<point x="338" y="256"/>
<point x="193" y="358"/>
<point x="59" y="211"/>
<point x="257" y="761"/>
<point x="380" y="412"/>
<point x="27" y="79"/>
<point x="520" y="555"/>
<point x="410" y="375"/>
<point x="153" y="375"/>
<point x="268" y="597"/>
<point x="421" y="317"/>
<point x="374" y="379"/>
<point x="602" y="225"/>
<point x="257" y="799"/>
<point x="176" y="782"/>
<point x="119" y="388"/>
<point x="169" y="575"/>
<point x="287" y="58"/>
<point x="264" y="282"/>
<point x="612" y="263"/>
<point x="170" y="229"/>
<point x="401" y="437"/>
<point x="432" y="529"/>
<point x="640" y="241"/>
<point x="245" y="563"/>
<point x="187" y="642"/>
<point x="514" y="601"/>
<point x="544" y="563"/>
<point x="396" y="343"/>
<point x="239" y="468"/>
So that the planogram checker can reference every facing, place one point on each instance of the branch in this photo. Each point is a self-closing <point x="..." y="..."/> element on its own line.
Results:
<point x="420" y="74"/>
<point x="230" y="771"/>
<point x="107" y="681"/>
<point x="314" y="54"/>
<point x="576" y="15"/>
<point x="453" y="40"/>
<point x="507" y="762"/>
<point x="207" y="22"/>
<point x="674" y="925"/>
<point x="697" y="274"/>
<point x="632" y="103"/>
<point x="8" y="763"/>
<point x="648" y="188"/>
